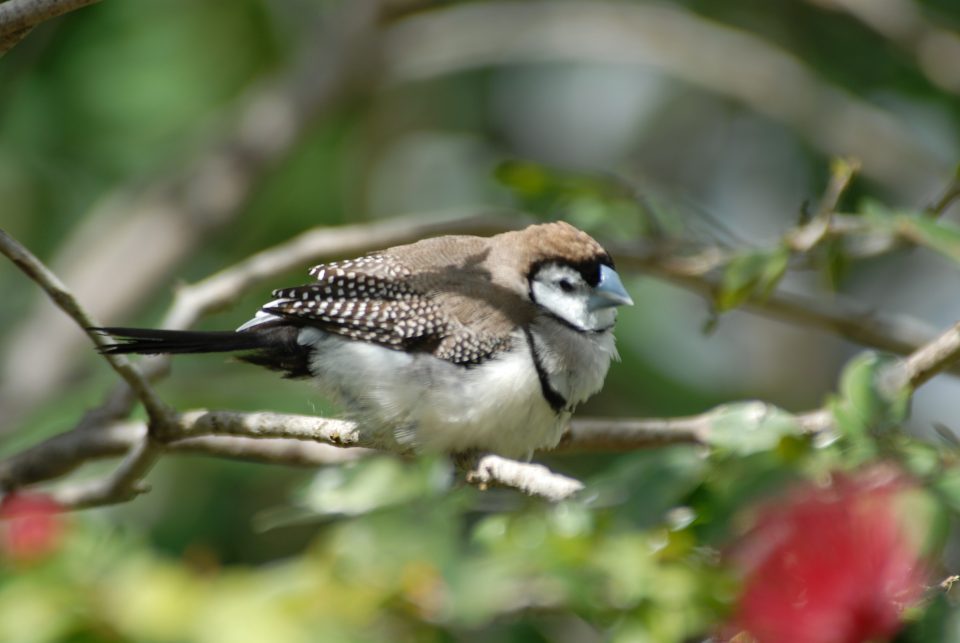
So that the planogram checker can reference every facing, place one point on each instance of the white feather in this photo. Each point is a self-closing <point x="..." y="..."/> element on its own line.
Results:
<point x="261" y="316"/>
<point x="428" y="404"/>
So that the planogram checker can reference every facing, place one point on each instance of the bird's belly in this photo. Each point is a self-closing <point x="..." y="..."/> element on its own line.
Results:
<point x="422" y="403"/>
<point x="497" y="407"/>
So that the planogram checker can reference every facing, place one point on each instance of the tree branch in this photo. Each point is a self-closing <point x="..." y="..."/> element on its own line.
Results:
<point x="18" y="17"/>
<point x="893" y="333"/>
<point x="57" y="292"/>
<point x="281" y="451"/>
<point x="485" y="471"/>
<point x="303" y="440"/>
<point x="932" y="358"/>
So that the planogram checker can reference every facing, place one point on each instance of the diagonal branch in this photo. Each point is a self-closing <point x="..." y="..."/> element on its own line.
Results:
<point x="893" y="333"/>
<point x="57" y="291"/>
<point x="929" y="360"/>
<point x="338" y="61"/>
<point x="18" y="17"/>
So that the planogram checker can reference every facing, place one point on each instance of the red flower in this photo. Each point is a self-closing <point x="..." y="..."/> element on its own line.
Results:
<point x="829" y="565"/>
<point x="31" y="526"/>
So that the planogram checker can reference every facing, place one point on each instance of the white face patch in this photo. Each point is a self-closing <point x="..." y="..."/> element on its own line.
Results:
<point x="561" y="290"/>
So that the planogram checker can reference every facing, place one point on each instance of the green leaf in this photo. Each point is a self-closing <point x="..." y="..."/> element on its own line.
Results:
<point x="866" y="406"/>
<point x="750" y="427"/>
<point x="939" y="236"/>
<point x="362" y="487"/>
<point x="750" y="275"/>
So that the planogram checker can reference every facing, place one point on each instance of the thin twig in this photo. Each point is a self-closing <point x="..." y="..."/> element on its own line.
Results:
<point x="123" y="484"/>
<point x="308" y="440"/>
<point x="805" y="237"/>
<point x="58" y="293"/>
<point x="950" y="194"/>
<point x="932" y="358"/>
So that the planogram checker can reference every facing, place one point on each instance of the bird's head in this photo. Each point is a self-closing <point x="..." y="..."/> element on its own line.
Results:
<point x="571" y="277"/>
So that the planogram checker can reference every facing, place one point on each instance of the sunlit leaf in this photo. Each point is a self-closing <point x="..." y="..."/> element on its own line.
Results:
<point x="750" y="427"/>
<point x="376" y="483"/>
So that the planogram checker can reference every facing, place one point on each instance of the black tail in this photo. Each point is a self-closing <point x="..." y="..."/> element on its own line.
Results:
<point x="274" y="347"/>
<point x="150" y="341"/>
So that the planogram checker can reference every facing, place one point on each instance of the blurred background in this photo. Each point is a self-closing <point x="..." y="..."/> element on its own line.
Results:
<point x="145" y="144"/>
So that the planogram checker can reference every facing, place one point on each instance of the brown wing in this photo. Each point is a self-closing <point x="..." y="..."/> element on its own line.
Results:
<point x="378" y="299"/>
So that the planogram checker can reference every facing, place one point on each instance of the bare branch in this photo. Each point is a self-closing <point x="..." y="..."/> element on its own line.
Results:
<point x="630" y="434"/>
<point x="63" y="453"/>
<point x="33" y="268"/>
<point x="18" y="17"/>
<point x="125" y="483"/>
<point x="805" y="237"/>
<point x="950" y="194"/>
<point x="338" y="433"/>
<point x="291" y="453"/>
<point x="934" y="357"/>
<point x="487" y="471"/>
<point x="896" y="334"/>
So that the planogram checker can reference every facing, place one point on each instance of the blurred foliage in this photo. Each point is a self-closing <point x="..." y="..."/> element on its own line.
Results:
<point x="119" y="94"/>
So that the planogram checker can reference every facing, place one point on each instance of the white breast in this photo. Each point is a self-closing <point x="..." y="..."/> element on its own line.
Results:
<point x="576" y="362"/>
<point x="427" y="404"/>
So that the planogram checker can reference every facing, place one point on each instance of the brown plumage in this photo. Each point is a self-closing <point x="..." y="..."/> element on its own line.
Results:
<point x="457" y="297"/>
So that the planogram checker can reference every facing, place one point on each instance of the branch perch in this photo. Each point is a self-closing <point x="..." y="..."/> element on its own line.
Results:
<point x="308" y="440"/>
<point x="19" y="17"/>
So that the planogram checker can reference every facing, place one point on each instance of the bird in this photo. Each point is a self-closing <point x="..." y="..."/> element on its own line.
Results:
<point x="453" y="344"/>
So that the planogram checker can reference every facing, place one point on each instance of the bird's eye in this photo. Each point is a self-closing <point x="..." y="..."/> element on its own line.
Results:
<point x="565" y="285"/>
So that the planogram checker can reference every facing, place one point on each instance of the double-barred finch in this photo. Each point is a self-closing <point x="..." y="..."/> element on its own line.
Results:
<point x="449" y="344"/>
